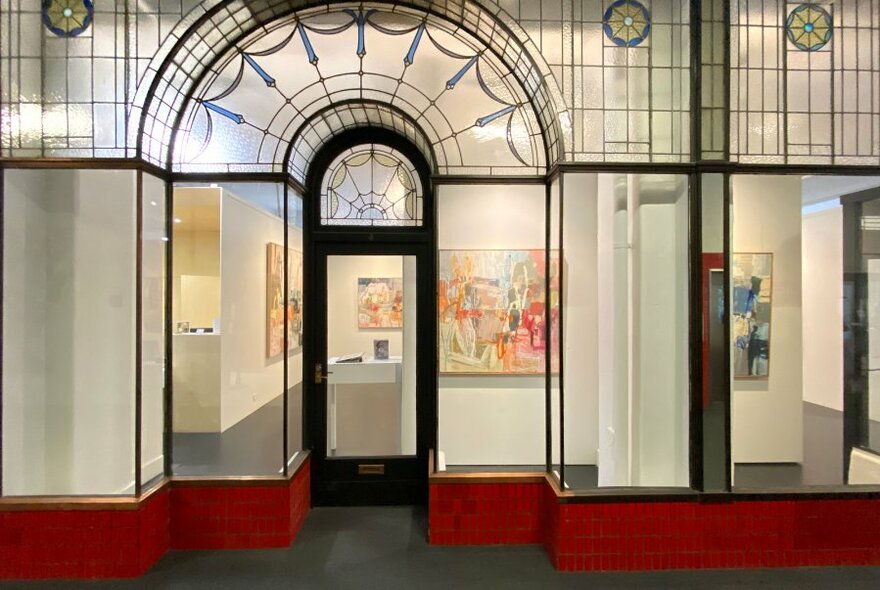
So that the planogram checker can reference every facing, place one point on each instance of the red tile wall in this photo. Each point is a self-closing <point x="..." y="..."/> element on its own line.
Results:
<point x="93" y="544"/>
<point x="239" y="517"/>
<point x="83" y="543"/>
<point x="643" y="535"/>
<point x="485" y="514"/>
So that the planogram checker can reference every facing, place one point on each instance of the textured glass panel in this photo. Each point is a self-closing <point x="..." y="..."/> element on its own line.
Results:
<point x="371" y="185"/>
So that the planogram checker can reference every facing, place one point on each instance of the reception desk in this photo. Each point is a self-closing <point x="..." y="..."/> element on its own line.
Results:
<point x="364" y="407"/>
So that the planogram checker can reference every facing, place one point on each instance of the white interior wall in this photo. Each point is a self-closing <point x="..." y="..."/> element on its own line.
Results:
<point x="26" y="202"/>
<point x="69" y="332"/>
<point x="248" y="380"/>
<point x="581" y="318"/>
<point x="660" y="393"/>
<point x="822" y="243"/>
<point x="767" y="415"/>
<point x="613" y="330"/>
<point x="491" y="420"/>
<point x="153" y="328"/>
<point x="343" y="334"/>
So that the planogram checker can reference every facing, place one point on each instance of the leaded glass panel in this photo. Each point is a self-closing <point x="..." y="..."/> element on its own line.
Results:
<point x="371" y="185"/>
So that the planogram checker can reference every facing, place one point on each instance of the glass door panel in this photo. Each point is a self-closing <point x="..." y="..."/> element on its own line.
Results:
<point x="371" y="356"/>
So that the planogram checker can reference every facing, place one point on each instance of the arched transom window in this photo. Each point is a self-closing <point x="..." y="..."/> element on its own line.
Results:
<point x="371" y="185"/>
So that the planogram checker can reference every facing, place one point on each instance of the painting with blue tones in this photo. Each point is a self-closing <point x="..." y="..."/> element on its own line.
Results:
<point x="752" y="279"/>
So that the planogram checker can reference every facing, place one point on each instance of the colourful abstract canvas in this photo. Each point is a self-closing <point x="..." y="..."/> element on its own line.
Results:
<point x="492" y="311"/>
<point x="275" y="300"/>
<point x="380" y="303"/>
<point x="752" y="282"/>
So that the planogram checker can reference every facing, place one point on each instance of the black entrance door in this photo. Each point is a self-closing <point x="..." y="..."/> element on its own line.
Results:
<point x="371" y="361"/>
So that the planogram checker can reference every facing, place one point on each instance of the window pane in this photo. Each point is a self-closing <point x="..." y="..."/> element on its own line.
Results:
<point x="295" y="323"/>
<point x="68" y="332"/>
<point x="153" y="329"/>
<point x="229" y="319"/>
<point x="625" y="330"/>
<point x="492" y="337"/>
<point x="802" y="299"/>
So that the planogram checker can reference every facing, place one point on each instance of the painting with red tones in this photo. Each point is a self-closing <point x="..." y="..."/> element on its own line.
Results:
<point x="380" y="303"/>
<point x="492" y="311"/>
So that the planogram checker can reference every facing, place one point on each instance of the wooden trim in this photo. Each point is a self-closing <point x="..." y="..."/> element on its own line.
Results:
<point x="120" y="503"/>
<point x="488" y="477"/>
<point x="86" y="164"/>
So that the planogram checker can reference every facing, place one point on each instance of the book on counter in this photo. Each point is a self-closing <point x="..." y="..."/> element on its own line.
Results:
<point x="351" y="358"/>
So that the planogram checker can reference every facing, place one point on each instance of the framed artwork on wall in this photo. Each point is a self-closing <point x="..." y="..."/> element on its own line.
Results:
<point x="380" y="303"/>
<point x="752" y="282"/>
<point x="492" y="311"/>
<point x="275" y="300"/>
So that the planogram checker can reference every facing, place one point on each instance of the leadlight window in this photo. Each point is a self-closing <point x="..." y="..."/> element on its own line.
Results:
<point x="371" y="185"/>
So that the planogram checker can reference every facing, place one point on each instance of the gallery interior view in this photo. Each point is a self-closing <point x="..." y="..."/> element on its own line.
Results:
<point x="599" y="276"/>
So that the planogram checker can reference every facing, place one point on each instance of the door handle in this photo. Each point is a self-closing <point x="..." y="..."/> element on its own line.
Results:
<point x="320" y="374"/>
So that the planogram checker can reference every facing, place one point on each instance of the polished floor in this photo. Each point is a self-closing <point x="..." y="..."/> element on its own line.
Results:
<point x="253" y="447"/>
<point x="385" y="548"/>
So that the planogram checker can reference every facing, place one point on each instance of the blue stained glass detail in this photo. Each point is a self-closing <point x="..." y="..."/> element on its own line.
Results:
<point x="456" y="78"/>
<point x="360" y="19"/>
<point x="225" y="112"/>
<point x="627" y="23"/>
<point x="270" y="81"/>
<point x="809" y="27"/>
<point x="483" y="121"/>
<point x="310" y="51"/>
<point x="411" y="55"/>
<point x="67" y="18"/>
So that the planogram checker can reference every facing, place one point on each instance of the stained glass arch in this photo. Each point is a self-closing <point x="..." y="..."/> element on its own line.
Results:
<point x="312" y="136"/>
<point x="373" y="185"/>
<point x="181" y="77"/>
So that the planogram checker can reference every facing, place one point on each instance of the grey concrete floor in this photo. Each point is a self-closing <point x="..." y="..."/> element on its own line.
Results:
<point x="385" y="548"/>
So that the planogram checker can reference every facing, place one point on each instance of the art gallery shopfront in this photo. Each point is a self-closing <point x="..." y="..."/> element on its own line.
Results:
<point x="597" y="276"/>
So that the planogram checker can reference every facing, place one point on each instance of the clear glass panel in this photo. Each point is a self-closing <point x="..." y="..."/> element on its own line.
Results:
<point x="625" y="330"/>
<point x="371" y="356"/>
<point x="715" y="362"/>
<point x="69" y="332"/>
<point x="295" y="322"/>
<point x="153" y="330"/>
<point x="371" y="185"/>
<point x="229" y="321"/>
<point x="491" y="325"/>
<point x="802" y="320"/>
<point x="551" y="343"/>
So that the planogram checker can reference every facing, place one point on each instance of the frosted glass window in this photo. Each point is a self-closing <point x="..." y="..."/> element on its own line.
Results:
<point x="69" y="273"/>
<point x="371" y="185"/>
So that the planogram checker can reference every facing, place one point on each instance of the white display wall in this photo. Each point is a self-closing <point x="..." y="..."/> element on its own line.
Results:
<point x="767" y="415"/>
<point x="491" y="419"/>
<point x="69" y="332"/>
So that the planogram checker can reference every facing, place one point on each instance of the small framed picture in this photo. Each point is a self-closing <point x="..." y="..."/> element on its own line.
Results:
<point x="380" y="350"/>
<point x="183" y="327"/>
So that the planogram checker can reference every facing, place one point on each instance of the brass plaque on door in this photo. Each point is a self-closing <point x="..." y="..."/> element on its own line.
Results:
<point x="371" y="469"/>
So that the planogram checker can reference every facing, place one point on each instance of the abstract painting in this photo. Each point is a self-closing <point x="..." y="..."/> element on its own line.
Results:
<point x="275" y="300"/>
<point x="492" y="311"/>
<point x="752" y="286"/>
<point x="380" y="303"/>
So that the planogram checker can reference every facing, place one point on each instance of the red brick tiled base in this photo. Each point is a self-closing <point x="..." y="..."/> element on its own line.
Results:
<point x="219" y="517"/>
<point x="83" y="543"/>
<point x="76" y="541"/>
<point x="650" y="535"/>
